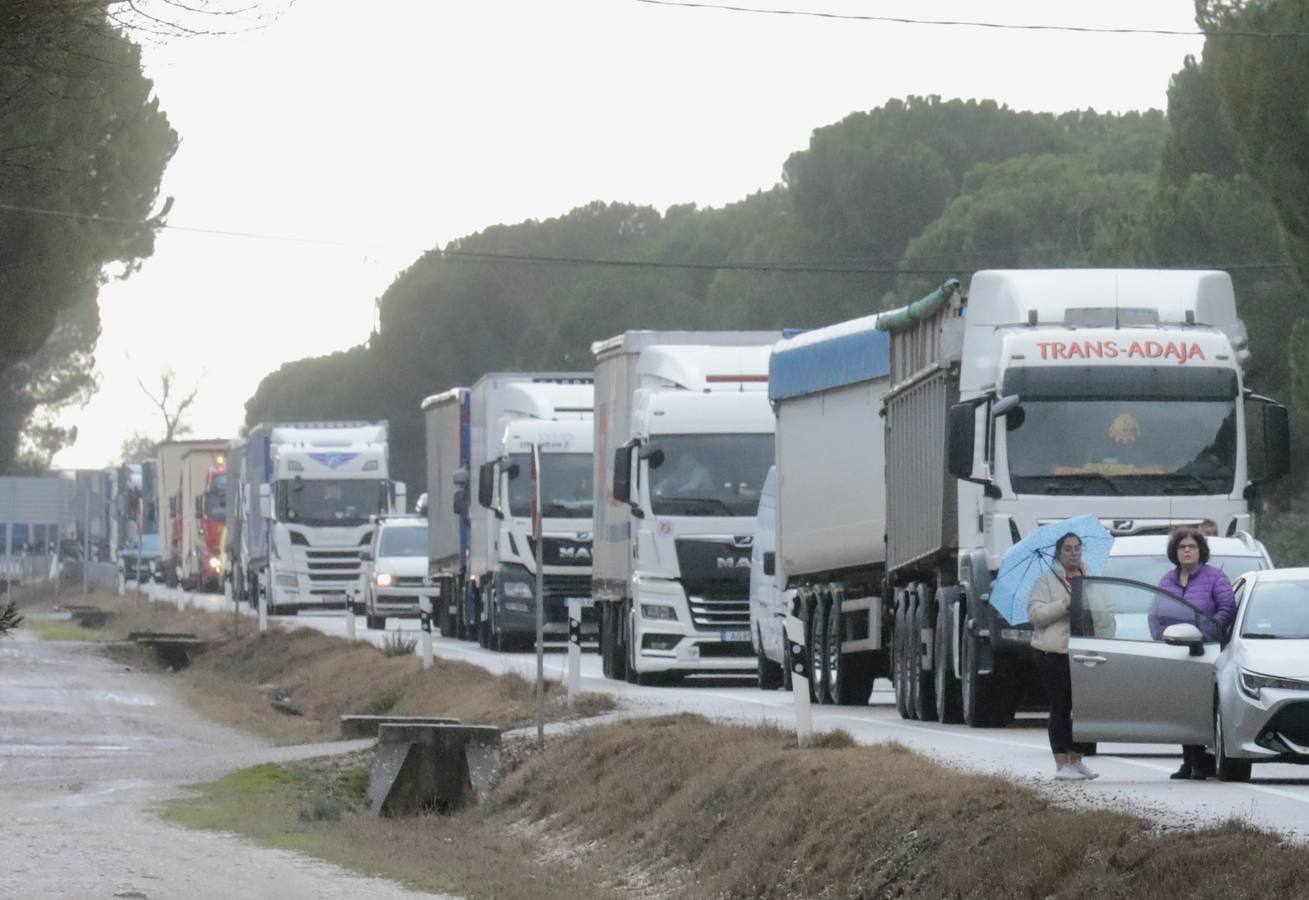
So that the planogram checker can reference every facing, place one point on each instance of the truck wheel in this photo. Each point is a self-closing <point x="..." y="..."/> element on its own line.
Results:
<point x="850" y="675"/>
<point x="787" y="684"/>
<point x="770" y="673"/>
<point x="898" y="676"/>
<point x="988" y="700"/>
<point x="628" y="647"/>
<point x="618" y="643"/>
<point x="816" y="633"/>
<point x="922" y="684"/>
<point x="606" y="640"/>
<point x="948" y="706"/>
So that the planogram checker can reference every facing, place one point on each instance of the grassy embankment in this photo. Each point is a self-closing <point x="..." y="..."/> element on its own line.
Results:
<point x="682" y="807"/>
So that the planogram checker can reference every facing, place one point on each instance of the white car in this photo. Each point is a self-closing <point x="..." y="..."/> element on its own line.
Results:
<point x="396" y="577"/>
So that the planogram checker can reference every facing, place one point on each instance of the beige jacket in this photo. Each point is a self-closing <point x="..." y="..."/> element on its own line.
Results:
<point x="1048" y="611"/>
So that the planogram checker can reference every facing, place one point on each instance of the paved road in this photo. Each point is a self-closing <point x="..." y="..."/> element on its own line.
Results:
<point x="1133" y="777"/>
<point x="88" y="748"/>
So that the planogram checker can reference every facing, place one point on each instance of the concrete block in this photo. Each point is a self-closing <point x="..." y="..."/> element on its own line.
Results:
<point x="364" y="726"/>
<point x="424" y="768"/>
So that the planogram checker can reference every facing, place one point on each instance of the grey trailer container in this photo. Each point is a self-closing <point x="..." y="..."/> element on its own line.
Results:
<point x="921" y="495"/>
<point x="446" y="417"/>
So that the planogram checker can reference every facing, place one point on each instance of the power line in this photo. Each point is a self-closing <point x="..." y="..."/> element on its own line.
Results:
<point x="963" y="23"/>
<point x="873" y="265"/>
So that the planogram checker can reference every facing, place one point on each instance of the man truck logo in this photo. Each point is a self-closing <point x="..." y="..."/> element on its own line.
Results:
<point x="733" y="562"/>
<point x="1122" y="525"/>
<point x="332" y="460"/>
<point x="574" y="553"/>
<point x="743" y="541"/>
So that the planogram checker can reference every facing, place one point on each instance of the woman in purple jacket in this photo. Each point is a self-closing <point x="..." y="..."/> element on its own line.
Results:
<point x="1205" y="600"/>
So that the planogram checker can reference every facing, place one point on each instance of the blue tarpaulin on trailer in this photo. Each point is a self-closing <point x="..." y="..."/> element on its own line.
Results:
<point x="826" y="358"/>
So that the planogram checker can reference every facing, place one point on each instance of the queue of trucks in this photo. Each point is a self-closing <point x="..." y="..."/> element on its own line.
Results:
<point x="885" y="465"/>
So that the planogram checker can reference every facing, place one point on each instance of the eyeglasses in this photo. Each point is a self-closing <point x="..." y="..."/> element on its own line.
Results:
<point x="1071" y="548"/>
<point x="1188" y="547"/>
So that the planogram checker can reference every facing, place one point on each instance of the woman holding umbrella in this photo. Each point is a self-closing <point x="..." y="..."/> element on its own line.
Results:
<point x="1048" y="611"/>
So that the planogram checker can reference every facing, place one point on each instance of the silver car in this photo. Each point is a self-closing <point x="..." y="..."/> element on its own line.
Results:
<point x="1244" y="693"/>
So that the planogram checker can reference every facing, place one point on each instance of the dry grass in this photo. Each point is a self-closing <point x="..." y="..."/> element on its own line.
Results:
<point x="323" y="677"/>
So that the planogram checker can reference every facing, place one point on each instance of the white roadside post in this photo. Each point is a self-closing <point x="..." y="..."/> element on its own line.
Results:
<point x="425" y="624"/>
<point x="262" y="594"/>
<point x="574" y="647"/>
<point x="540" y="595"/>
<point x="350" y="597"/>
<point x="799" y="656"/>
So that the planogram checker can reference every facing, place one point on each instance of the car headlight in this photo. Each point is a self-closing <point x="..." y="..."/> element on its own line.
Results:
<point x="1253" y="682"/>
<point x="658" y="611"/>
<point x="519" y="590"/>
<point x="384" y="579"/>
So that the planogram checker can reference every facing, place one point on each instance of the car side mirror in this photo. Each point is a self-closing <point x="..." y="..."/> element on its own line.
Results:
<point x="1184" y="634"/>
<point x="770" y="563"/>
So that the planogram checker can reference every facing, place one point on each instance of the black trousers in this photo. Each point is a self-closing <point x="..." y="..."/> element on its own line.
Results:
<point x="1052" y="668"/>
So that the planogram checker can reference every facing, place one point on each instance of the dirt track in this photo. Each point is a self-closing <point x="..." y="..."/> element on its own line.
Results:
<point x="88" y="748"/>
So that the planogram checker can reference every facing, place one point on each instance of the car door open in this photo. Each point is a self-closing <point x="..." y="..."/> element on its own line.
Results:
<point x="1129" y="683"/>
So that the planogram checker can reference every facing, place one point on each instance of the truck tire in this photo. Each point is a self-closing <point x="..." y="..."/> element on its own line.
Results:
<point x="816" y="637"/>
<point x="770" y="673"/>
<point x="899" y="678"/>
<point x="949" y="709"/>
<point x="850" y="675"/>
<point x="922" y="683"/>
<point x="628" y="646"/>
<point x="988" y="701"/>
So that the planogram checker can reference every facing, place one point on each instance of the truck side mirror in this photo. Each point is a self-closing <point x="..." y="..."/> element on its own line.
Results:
<point x="770" y="563"/>
<point x="486" y="485"/>
<point x="459" y="503"/>
<point x="1277" y="441"/>
<point x="961" y="439"/>
<point x="623" y="474"/>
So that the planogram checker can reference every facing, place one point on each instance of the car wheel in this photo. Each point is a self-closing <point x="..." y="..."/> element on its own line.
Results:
<point x="1228" y="769"/>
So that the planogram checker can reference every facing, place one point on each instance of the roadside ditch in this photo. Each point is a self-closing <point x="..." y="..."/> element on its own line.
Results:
<point x="666" y="807"/>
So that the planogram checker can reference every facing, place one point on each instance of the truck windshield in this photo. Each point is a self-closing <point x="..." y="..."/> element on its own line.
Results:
<point x="709" y="474"/>
<point x="407" y="540"/>
<point x="1122" y="447"/>
<point x="330" y="501"/>
<point x="565" y="485"/>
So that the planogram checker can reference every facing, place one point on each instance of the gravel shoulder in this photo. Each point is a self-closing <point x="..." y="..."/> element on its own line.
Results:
<point x="89" y="748"/>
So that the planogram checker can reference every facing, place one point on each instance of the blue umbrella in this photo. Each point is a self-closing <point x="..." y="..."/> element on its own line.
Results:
<point x="1026" y="560"/>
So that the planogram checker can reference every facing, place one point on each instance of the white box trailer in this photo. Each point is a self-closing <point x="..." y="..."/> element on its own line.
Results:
<point x="36" y="512"/>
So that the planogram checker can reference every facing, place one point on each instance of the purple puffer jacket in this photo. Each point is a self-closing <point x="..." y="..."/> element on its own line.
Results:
<point x="1208" y="591"/>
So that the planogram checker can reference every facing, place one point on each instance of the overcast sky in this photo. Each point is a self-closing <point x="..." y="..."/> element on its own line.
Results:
<point x="339" y="142"/>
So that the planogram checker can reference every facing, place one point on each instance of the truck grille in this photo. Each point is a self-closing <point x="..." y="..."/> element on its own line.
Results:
<point x="712" y="614"/>
<point x="332" y="566"/>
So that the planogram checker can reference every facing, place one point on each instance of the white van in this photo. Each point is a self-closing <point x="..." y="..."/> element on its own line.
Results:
<point x="768" y="602"/>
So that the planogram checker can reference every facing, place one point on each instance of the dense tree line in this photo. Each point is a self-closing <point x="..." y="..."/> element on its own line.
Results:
<point x="81" y="138"/>
<point x="879" y="208"/>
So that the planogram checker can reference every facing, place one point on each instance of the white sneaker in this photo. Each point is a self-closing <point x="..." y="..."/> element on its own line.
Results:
<point x="1069" y="772"/>
<point x="1088" y="773"/>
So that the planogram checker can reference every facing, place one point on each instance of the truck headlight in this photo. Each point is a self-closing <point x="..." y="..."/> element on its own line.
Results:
<point x="214" y="563"/>
<point x="384" y="579"/>
<point x="287" y="579"/>
<point x="658" y="611"/>
<point x="519" y="590"/>
<point x="517" y="606"/>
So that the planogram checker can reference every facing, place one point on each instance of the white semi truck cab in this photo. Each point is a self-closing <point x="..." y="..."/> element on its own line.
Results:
<point x="317" y="486"/>
<point x="691" y="442"/>
<point x="511" y="413"/>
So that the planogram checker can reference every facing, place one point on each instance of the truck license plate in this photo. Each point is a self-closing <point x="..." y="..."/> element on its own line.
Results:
<point x="587" y="602"/>
<point x="735" y="636"/>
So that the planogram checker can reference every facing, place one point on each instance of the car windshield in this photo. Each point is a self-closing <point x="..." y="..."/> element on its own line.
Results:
<point x="330" y="501"/>
<point x="565" y="485"/>
<point x="1149" y="569"/>
<point x="709" y="474"/>
<point x="408" y="540"/>
<point x="1277" y="609"/>
<point x="1128" y="447"/>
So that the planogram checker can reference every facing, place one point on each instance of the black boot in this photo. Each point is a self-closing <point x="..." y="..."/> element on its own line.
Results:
<point x="1183" y="773"/>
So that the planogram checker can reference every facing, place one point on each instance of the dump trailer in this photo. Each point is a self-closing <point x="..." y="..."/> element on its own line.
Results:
<point x="1032" y="397"/>
<point x="449" y="460"/>
<point x="684" y="439"/>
